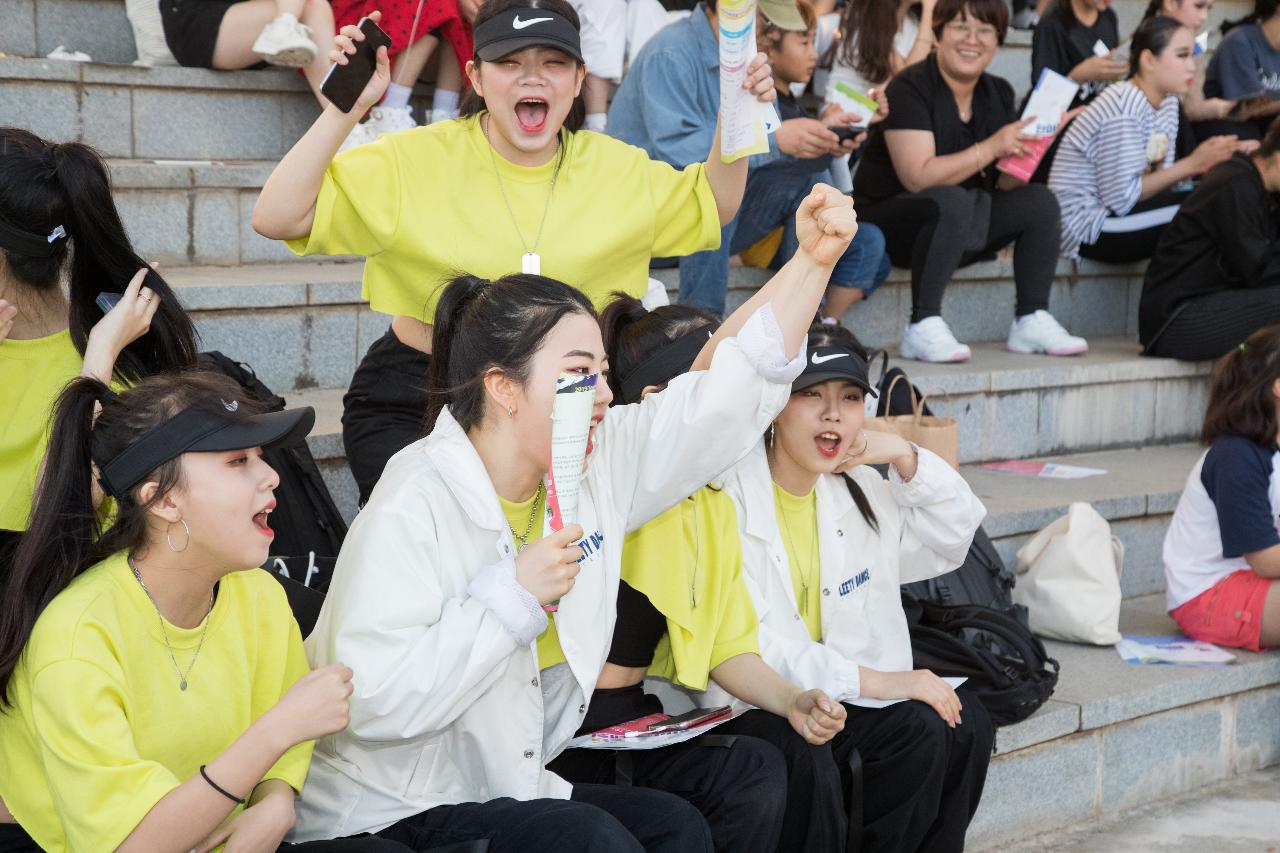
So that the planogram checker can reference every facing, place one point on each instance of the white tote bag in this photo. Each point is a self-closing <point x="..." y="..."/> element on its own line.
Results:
<point x="1069" y="579"/>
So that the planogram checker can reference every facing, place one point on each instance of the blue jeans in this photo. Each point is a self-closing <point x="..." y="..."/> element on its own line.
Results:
<point x="772" y="197"/>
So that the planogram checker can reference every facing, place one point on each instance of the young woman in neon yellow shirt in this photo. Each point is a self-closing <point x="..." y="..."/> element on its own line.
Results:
<point x="155" y="691"/>
<point x="512" y="185"/>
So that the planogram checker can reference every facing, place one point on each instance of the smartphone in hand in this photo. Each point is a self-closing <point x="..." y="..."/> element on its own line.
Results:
<point x="344" y="83"/>
<point x="847" y="132"/>
<point x="106" y="301"/>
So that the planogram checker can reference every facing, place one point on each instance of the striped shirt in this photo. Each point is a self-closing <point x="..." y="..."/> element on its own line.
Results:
<point x="1103" y="155"/>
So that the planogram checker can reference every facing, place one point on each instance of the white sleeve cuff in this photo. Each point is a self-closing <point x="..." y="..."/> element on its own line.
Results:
<point x="848" y="685"/>
<point x="933" y="479"/>
<point x="763" y="345"/>
<point x="519" y="612"/>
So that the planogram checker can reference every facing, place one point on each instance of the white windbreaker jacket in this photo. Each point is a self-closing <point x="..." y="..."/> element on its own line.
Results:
<point x="926" y="527"/>
<point x="448" y="707"/>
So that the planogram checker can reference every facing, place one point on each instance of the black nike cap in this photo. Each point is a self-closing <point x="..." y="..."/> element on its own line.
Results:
<point x="834" y="362"/>
<point x="526" y="26"/>
<point x="208" y="426"/>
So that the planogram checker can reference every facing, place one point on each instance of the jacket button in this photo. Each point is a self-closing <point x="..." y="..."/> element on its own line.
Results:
<point x="796" y="616"/>
<point x="534" y="682"/>
<point x="582" y="709"/>
<point x="528" y="753"/>
<point x="839" y="532"/>
<point x="826" y="592"/>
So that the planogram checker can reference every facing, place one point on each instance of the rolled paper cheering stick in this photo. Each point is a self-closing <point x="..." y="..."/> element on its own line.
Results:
<point x="570" y="427"/>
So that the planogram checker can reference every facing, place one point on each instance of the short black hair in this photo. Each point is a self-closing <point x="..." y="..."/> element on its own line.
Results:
<point x="993" y="12"/>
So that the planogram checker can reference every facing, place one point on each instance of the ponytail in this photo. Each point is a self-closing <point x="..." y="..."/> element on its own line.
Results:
<point x="65" y="536"/>
<point x="632" y="335"/>
<point x="483" y="325"/>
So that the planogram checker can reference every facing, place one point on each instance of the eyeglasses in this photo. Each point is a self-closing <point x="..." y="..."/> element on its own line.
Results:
<point x="985" y="32"/>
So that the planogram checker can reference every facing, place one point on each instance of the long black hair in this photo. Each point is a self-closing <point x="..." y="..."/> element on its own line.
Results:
<point x="632" y="333"/>
<point x="65" y="535"/>
<point x="835" y="335"/>
<point x="867" y="30"/>
<point x="1262" y="11"/>
<point x="472" y="103"/>
<point x="481" y="325"/>
<point x="1153" y="35"/>
<point x="44" y="185"/>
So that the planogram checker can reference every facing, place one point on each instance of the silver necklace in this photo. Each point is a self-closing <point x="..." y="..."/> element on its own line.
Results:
<point x="530" y="261"/>
<point x="528" y="530"/>
<point x="806" y="574"/>
<point x="182" y="676"/>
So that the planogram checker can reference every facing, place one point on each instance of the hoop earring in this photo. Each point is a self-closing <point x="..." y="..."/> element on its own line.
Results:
<point x="169" y="530"/>
<point x="510" y="412"/>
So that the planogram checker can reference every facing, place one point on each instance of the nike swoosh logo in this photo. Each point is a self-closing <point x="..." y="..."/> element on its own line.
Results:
<point x="518" y="24"/>
<point x="822" y="359"/>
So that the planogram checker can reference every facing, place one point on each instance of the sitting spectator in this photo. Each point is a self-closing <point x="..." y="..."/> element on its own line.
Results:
<point x="58" y="223"/>
<point x="1192" y="14"/>
<point x="1115" y="174"/>
<point x="877" y="40"/>
<point x="1222" y="551"/>
<point x="1214" y="277"/>
<point x="928" y="180"/>
<point x="613" y="33"/>
<point x="1065" y="41"/>
<point x="668" y="104"/>
<point x="106" y="740"/>
<point x="1246" y="68"/>
<point x="415" y="29"/>
<point x="234" y="34"/>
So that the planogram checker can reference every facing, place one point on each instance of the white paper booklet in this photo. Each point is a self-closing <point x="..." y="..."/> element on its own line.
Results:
<point x="651" y="741"/>
<point x="1051" y="98"/>
<point x="744" y="122"/>
<point x="885" y="703"/>
<point x="1171" y="650"/>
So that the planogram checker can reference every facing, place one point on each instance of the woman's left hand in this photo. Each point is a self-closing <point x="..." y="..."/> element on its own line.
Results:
<point x="759" y="79"/>
<point x="258" y="829"/>
<point x="873" y="447"/>
<point x="815" y="717"/>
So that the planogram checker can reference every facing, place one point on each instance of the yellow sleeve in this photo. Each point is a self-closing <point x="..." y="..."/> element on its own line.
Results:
<point x="101" y="787"/>
<point x="292" y="766"/>
<point x="684" y="209"/>
<point x="358" y="209"/>
<point x="737" y="632"/>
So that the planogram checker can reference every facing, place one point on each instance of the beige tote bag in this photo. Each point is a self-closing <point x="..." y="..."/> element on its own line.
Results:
<point x="941" y="435"/>
<point x="1069" y="579"/>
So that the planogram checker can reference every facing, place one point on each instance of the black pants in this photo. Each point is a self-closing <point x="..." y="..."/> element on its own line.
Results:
<point x="739" y="784"/>
<point x="816" y="819"/>
<point x="385" y="408"/>
<point x="598" y="819"/>
<point x="926" y="231"/>
<point x="1208" y="326"/>
<point x="923" y="779"/>
<point x="1143" y="226"/>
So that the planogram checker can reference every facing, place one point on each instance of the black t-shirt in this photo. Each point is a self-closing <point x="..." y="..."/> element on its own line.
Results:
<point x="1220" y="239"/>
<point x="1061" y="43"/>
<point x="920" y="99"/>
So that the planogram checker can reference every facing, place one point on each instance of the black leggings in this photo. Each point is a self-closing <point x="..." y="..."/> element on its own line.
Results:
<point x="926" y="232"/>
<point x="1141" y="226"/>
<point x="1206" y="327"/>
<point x="385" y="408"/>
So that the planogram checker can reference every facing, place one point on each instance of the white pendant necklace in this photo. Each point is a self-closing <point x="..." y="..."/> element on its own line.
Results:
<point x="530" y="261"/>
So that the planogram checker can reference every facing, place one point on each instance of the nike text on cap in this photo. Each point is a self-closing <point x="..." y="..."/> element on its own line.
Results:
<point x="526" y="26"/>
<point x="827" y="363"/>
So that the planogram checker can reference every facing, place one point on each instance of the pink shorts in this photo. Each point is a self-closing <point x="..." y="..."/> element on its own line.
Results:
<point x="1229" y="613"/>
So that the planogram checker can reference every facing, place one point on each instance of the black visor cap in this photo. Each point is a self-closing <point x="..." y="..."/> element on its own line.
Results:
<point x="827" y="363"/>
<point x="525" y="26"/>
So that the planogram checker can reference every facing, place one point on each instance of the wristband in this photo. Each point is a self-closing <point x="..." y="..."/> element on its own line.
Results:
<point x="221" y="790"/>
<point x="977" y="154"/>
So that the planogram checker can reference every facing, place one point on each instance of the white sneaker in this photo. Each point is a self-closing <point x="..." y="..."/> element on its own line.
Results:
<point x="931" y="340"/>
<point x="286" y="42"/>
<point x="389" y="120"/>
<point x="1040" y="332"/>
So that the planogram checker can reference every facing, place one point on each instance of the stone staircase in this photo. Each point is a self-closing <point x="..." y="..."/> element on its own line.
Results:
<point x="189" y="150"/>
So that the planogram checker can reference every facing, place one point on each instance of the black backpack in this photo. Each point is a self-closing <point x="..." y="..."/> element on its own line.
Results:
<point x="1011" y="682"/>
<point x="983" y="578"/>
<point x="309" y="528"/>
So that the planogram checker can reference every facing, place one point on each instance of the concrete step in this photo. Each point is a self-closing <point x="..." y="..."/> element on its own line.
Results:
<point x="1137" y="495"/>
<point x="100" y="28"/>
<point x="1117" y="736"/>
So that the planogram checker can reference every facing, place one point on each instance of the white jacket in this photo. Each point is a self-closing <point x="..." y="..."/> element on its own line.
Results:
<point x="926" y="527"/>
<point x="449" y="706"/>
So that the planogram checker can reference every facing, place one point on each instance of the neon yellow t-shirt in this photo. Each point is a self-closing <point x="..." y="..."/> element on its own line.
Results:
<point x="32" y="375"/>
<point x="798" y="522"/>
<point x="425" y="204"/>
<point x="99" y="730"/>
<point x="688" y="562"/>
<point x="518" y="515"/>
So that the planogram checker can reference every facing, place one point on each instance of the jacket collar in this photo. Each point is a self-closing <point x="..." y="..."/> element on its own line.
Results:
<point x="705" y="37"/>
<point x="463" y="472"/>
<point x="759" y="515"/>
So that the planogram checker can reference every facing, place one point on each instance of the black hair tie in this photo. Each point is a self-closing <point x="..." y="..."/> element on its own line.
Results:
<point x="221" y="790"/>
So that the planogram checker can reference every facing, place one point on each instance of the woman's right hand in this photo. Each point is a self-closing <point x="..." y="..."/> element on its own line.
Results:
<point x="344" y="46"/>
<point x="1010" y="140"/>
<point x="825" y="224"/>
<point x="1105" y="67"/>
<point x="547" y="568"/>
<point x="1213" y="151"/>
<point x="318" y="704"/>
<point x="920" y="685"/>
<point x="7" y="314"/>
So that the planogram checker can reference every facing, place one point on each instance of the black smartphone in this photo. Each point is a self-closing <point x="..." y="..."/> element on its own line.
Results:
<point x="106" y="301"/>
<point x="847" y="132"/>
<point x="344" y="83"/>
